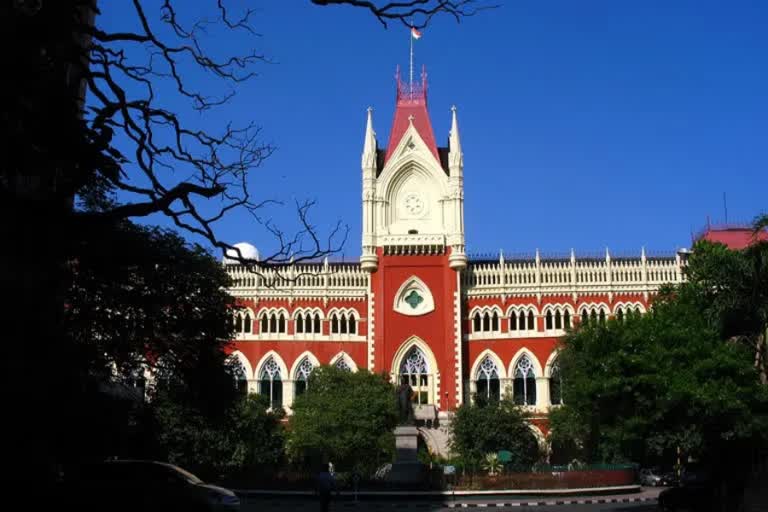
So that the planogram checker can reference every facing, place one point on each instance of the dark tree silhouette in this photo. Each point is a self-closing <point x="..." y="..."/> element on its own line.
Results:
<point x="414" y="13"/>
<point x="74" y="86"/>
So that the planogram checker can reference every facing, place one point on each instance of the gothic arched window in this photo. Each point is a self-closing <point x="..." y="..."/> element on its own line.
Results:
<point x="273" y="323"/>
<point x="558" y="320"/>
<point x="476" y="322"/>
<point x="302" y="375"/>
<point x="602" y="316"/>
<point x="486" y="322"/>
<point x="524" y="385"/>
<point x="566" y="320"/>
<point x="299" y="323"/>
<point x="556" y="385"/>
<point x="584" y="317"/>
<point x="415" y="371"/>
<point x="247" y="323"/>
<point x="341" y="364"/>
<point x="513" y="321"/>
<point x="334" y="323"/>
<point x="241" y="380"/>
<point x="487" y="377"/>
<point x="238" y="323"/>
<point x="352" y="324"/>
<point x="317" y="329"/>
<point x="495" y="322"/>
<point x="281" y="323"/>
<point x="531" y="324"/>
<point x="548" y="321"/>
<point x="270" y="384"/>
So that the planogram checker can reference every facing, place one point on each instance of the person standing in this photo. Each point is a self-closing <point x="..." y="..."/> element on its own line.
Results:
<point x="325" y="485"/>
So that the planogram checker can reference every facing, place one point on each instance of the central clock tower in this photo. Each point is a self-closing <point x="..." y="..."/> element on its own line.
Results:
<point x="413" y="248"/>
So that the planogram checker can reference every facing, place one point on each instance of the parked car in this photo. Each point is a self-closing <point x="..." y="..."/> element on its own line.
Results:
<point x="651" y="477"/>
<point x="144" y="485"/>
<point x="695" y="492"/>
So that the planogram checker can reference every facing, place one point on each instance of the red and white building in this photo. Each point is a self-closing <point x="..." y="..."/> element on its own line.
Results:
<point x="415" y="306"/>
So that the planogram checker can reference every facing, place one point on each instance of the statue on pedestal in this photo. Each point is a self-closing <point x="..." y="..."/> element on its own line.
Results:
<point x="404" y="407"/>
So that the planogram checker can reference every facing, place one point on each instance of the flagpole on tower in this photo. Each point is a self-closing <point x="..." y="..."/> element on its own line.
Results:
<point x="410" y="83"/>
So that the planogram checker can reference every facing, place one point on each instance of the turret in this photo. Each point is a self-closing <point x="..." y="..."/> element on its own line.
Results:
<point x="368" y="260"/>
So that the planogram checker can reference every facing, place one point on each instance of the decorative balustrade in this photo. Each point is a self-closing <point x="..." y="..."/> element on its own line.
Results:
<point x="568" y="276"/>
<point x="306" y="279"/>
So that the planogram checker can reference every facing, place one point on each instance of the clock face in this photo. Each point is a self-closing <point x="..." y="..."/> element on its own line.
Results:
<point x="414" y="205"/>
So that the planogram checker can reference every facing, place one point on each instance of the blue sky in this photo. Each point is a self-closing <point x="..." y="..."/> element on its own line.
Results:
<point x="584" y="125"/>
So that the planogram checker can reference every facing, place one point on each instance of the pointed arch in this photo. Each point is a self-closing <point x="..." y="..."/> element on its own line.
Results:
<point x="279" y="360"/>
<point x="537" y="369"/>
<point x="238" y="356"/>
<point x="414" y="298"/>
<point x="496" y="359"/>
<point x="343" y="356"/>
<point x="297" y="363"/>
<point x="405" y="348"/>
<point x="550" y="361"/>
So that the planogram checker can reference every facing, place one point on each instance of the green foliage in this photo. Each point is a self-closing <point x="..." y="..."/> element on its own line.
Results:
<point x="346" y="418"/>
<point x="247" y="437"/>
<point x="732" y="289"/>
<point x="482" y="428"/>
<point x="143" y="296"/>
<point x="492" y="464"/>
<point x="638" y="389"/>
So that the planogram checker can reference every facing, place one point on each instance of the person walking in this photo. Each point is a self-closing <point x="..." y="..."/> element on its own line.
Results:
<point x="325" y="485"/>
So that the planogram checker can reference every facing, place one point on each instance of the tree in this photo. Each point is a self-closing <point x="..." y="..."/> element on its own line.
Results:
<point x="140" y="301"/>
<point x="247" y="438"/>
<point x="636" y="390"/>
<point x="82" y="120"/>
<point x="733" y="286"/>
<point x="344" y="417"/>
<point x="482" y="428"/>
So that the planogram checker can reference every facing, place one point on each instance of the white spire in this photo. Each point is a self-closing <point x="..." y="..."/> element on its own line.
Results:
<point x="455" y="157"/>
<point x="369" y="146"/>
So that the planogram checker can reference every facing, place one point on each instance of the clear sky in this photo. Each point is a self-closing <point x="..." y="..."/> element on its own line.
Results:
<point x="585" y="124"/>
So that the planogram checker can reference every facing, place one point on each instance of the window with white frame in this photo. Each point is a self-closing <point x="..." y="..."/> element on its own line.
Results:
<point x="341" y="364"/>
<point x="270" y="383"/>
<point x="487" y="381"/>
<point x="243" y="321"/>
<point x="625" y="311"/>
<point x="557" y="318"/>
<point x="273" y="322"/>
<point x="524" y="384"/>
<point x="343" y="322"/>
<point x="240" y="377"/>
<point x="485" y="321"/>
<point x="302" y="376"/>
<point x="308" y="323"/>
<point x="415" y="372"/>
<point x="593" y="315"/>
<point x="555" y="384"/>
<point x="522" y="320"/>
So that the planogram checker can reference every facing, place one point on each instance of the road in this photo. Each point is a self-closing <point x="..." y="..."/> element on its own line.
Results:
<point x="285" y="504"/>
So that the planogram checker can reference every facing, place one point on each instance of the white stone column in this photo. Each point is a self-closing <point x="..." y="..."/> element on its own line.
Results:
<point x="288" y="390"/>
<point x="542" y="393"/>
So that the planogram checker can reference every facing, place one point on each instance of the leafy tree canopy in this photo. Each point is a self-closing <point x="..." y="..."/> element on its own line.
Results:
<point x="641" y="388"/>
<point x="345" y="418"/>
<point x="482" y="428"/>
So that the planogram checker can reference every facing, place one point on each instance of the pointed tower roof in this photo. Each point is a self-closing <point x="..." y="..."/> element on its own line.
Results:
<point x="411" y="107"/>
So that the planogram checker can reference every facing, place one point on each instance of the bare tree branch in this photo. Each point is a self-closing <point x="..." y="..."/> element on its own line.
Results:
<point x="414" y="13"/>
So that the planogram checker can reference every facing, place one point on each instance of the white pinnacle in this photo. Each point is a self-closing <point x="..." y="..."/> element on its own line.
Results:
<point x="369" y="146"/>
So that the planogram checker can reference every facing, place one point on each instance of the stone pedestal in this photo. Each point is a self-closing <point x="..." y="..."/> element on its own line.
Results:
<point x="406" y="469"/>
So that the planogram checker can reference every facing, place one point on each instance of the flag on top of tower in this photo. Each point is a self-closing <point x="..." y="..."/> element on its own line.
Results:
<point x="415" y="33"/>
